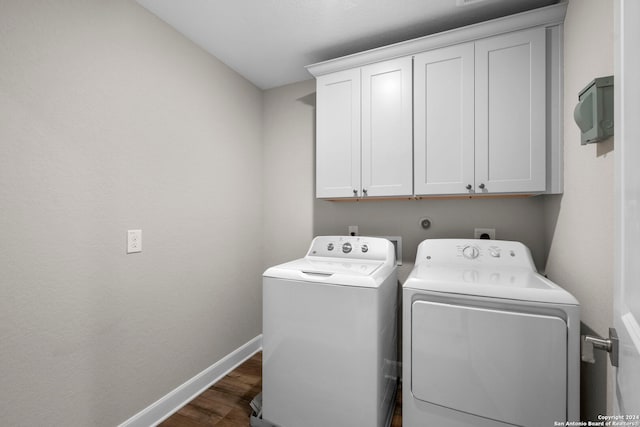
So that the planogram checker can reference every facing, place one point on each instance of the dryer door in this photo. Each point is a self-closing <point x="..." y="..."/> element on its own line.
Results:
<point x="503" y="365"/>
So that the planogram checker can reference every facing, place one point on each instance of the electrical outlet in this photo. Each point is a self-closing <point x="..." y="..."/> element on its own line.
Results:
<point x="134" y="241"/>
<point x="353" y="230"/>
<point x="482" y="233"/>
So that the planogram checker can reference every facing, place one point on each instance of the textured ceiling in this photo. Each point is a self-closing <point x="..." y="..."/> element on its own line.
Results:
<point x="270" y="41"/>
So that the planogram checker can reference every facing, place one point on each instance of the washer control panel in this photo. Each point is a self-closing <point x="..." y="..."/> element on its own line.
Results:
<point x="354" y="247"/>
<point x="474" y="252"/>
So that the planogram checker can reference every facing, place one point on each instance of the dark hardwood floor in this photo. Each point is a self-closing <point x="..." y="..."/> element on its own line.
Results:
<point x="226" y="403"/>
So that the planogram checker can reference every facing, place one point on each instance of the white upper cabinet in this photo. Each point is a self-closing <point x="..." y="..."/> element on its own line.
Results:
<point x="471" y="111"/>
<point x="480" y="116"/>
<point x="338" y="134"/>
<point x="387" y="151"/>
<point x="364" y="131"/>
<point x="444" y="120"/>
<point x="510" y="113"/>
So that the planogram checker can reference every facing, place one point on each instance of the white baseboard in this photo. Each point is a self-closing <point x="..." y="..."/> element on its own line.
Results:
<point x="164" y="407"/>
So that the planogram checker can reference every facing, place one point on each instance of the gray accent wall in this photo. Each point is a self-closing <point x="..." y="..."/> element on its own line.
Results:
<point x="513" y="218"/>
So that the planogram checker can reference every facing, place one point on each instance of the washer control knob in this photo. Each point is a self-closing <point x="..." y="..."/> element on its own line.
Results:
<point x="494" y="252"/>
<point x="330" y="247"/>
<point x="364" y="248"/>
<point x="470" y="252"/>
<point x="346" y="248"/>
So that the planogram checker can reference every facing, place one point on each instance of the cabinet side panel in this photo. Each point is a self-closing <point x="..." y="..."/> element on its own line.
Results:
<point x="554" y="110"/>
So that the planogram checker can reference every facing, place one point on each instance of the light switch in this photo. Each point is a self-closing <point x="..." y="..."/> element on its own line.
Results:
<point x="134" y="241"/>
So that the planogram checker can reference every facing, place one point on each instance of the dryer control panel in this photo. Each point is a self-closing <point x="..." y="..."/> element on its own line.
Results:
<point x="477" y="252"/>
<point x="352" y="247"/>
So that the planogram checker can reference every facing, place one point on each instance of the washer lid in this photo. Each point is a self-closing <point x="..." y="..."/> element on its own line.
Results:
<point x="507" y="283"/>
<point x="362" y="273"/>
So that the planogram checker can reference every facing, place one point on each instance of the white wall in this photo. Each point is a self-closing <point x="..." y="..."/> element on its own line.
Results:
<point x="580" y="223"/>
<point x="111" y="121"/>
<point x="289" y="162"/>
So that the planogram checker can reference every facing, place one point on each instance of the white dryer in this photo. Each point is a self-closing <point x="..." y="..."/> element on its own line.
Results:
<point x="329" y="335"/>
<point x="487" y="341"/>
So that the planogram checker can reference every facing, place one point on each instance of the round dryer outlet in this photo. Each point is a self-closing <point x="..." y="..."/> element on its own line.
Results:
<point x="425" y="223"/>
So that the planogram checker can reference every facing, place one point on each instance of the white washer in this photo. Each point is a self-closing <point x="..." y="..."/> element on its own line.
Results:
<point x="329" y="335"/>
<point x="487" y="341"/>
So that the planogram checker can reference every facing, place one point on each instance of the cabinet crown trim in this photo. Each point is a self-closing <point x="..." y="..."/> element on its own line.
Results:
<point x="544" y="16"/>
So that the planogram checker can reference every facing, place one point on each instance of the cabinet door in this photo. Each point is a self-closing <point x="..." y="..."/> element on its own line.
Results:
<point x="443" y="120"/>
<point x="387" y="129"/>
<point x="510" y="112"/>
<point x="338" y="134"/>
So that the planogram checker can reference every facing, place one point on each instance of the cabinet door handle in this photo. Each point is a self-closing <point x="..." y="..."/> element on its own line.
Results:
<point x="355" y="193"/>
<point x="364" y="190"/>
<point x="468" y="187"/>
<point x="481" y="186"/>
